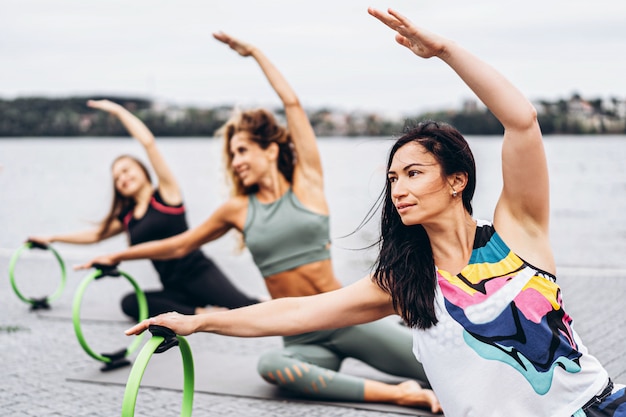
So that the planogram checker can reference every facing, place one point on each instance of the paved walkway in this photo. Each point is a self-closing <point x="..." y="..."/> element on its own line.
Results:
<point x="38" y="354"/>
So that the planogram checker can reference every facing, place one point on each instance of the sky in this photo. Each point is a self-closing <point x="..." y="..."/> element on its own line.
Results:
<point x="331" y="51"/>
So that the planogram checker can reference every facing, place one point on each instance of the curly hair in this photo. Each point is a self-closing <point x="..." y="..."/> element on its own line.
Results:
<point x="263" y="129"/>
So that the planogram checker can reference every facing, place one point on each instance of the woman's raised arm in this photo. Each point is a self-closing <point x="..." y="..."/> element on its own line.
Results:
<point x="168" y="186"/>
<point x="522" y="212"/>
<point x="309" y="162"/>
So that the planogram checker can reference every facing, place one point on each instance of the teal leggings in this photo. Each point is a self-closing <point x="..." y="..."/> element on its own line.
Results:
<point x="309" y="363"/>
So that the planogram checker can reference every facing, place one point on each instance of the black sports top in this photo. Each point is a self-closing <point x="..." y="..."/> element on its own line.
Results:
<point x="159" y="222"/>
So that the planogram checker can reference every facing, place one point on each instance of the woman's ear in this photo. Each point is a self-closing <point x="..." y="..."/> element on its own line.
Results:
<point x="458" y="181"/>
<point x="273" y="150"/>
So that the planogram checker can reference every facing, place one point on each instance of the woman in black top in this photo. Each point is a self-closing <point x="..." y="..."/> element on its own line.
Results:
<point x="190" y="283"/>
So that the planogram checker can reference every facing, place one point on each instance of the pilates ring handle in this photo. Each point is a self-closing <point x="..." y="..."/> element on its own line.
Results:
<point x="37" y="303"/>
<point x="107" y="270"/>
<point x="162" y="339"/>
<point x="38" y="245"/>
<point x="116" y="359"/>
<point x="169" y="337"/>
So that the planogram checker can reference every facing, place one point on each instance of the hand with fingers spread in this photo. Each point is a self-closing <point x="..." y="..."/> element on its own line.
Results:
<point x="241" y="48"/>
<point x="423" y="43"/>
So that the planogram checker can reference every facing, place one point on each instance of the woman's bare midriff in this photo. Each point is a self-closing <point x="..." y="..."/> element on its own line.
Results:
<point x="310" y="279"/>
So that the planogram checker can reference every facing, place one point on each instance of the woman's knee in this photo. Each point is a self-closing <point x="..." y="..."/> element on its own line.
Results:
<point x="130" y="307"/>
<point x="270" y="362"/>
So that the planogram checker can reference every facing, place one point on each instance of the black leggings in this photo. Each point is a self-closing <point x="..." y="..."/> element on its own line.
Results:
<point x="205" y="286"/>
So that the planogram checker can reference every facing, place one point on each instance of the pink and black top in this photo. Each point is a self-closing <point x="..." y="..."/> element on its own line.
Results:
<point x="160" y="222"/>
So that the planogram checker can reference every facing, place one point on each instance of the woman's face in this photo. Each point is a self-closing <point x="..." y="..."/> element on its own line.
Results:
<point x="249" y="161"/>
<point x="419" y="191"/>
<point x="128" y="177"/>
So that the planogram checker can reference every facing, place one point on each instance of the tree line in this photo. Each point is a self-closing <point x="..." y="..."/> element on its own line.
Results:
<point x="70" y="117"/>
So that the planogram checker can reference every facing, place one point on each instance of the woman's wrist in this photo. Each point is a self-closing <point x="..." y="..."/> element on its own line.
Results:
<point x="253" y="51"/>
<point x="197" y="322"/>
<point x="117" y="109"/>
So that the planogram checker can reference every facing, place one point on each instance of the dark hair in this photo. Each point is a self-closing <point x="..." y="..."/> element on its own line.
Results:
<point x="264" y="130"/>
<point x="405" y="267"/>
<point x="120" y="202"/>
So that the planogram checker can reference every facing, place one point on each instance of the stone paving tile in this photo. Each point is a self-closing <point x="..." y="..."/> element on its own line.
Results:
<point x="37" y="355"/>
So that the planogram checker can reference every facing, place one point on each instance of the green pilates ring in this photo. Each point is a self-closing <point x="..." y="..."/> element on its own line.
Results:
<point x="117" y="359"/>
<point x="42" y="302"/>
<point x="162" y="339"/>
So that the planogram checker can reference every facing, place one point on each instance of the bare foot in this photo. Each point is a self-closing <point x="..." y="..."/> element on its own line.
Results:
<point x="209" y="309"/>
<point x="415" y="395"/>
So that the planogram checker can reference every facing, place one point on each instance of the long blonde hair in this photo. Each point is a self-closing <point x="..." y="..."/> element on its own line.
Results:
<point x="263" y="129"/>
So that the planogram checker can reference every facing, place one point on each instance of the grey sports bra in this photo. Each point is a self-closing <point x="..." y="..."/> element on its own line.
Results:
<point x="284" y="234"/>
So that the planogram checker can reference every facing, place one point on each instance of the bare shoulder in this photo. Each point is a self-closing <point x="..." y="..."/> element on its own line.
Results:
<point x="234" y="211"/>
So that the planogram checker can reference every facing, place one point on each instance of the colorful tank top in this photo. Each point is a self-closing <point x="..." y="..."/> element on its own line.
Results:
<point x="504" y="346"/>
<point x="284" y="234"/>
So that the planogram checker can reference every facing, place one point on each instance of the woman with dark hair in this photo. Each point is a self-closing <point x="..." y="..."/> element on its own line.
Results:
<point x="193" y="283"/>
<point x="480" y="297"/>
<point x="279" y="206"/>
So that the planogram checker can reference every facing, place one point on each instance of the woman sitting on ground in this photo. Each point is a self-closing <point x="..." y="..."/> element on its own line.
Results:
<point x="192" y="283"/>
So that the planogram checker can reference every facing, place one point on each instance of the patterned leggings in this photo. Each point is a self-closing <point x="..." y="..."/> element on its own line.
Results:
<point x="309" y="363"/>
<point x="610" y="403"/>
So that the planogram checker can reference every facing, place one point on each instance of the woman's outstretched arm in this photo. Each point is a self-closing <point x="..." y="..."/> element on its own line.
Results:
<point x="82" y="237"/>
<point x="360" y="302"/>
<point x="220" y="222"/>
<point x="168" y="186"/>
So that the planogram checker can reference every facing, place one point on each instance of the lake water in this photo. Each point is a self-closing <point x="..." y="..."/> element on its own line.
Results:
<point x="52" y="185"/>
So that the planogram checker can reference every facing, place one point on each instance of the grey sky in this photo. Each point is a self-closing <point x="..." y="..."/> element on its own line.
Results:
<point x="332" y="52"/>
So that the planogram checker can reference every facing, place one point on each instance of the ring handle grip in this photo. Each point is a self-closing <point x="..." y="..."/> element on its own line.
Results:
<point x="37" y="245"/>
<point x="160" y="336"/>
<point x="169" y="337"/>
<point x="107" y="270"/>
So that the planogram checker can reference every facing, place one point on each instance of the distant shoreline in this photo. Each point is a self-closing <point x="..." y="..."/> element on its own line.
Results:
<point x="69" y="117"/>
